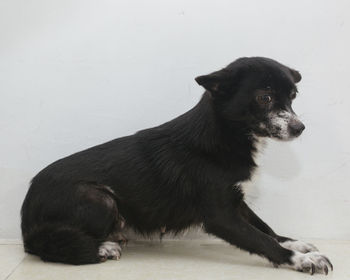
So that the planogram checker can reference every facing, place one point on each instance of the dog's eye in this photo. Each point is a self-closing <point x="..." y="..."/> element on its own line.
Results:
<point x="264" y="99"/>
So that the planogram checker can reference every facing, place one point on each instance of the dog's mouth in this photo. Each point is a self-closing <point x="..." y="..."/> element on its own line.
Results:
<point x="282" y="125"/>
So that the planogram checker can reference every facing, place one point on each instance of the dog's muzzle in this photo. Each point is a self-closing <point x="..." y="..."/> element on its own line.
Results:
<point x="284" y="125"/>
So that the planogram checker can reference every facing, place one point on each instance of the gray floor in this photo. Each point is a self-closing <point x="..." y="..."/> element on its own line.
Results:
<point x="209" y="259"/>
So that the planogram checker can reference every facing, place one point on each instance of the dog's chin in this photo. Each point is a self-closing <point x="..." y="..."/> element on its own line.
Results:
<point x="283" y="137"/>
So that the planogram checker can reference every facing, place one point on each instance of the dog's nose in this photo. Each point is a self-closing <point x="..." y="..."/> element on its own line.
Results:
<point x="296" y="127"/>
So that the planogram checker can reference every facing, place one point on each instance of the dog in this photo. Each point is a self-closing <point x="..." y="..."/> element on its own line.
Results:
<point x="186" y="172"/>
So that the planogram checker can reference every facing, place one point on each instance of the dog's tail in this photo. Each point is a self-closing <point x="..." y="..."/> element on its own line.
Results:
<point x="61" y="243"/>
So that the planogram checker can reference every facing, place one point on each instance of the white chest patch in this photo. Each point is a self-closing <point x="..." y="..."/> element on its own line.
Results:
<point x="247" y="185"/>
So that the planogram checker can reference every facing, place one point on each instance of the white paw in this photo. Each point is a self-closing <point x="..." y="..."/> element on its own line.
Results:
<point x="299" y="246"/>
<point x="109" y="250"/>
<point x="310" y="262"/>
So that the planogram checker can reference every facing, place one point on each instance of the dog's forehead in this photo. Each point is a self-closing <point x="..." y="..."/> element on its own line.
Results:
<point x="263" y="72"/>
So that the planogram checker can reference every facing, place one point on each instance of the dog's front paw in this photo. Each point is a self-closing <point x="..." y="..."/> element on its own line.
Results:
<point x="109" y="250"/>
<point x="310" y="262"/>
<point x="300" y="246"/>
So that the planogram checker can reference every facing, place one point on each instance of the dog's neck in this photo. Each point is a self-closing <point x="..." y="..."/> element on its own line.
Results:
<point x="202" y="128"/>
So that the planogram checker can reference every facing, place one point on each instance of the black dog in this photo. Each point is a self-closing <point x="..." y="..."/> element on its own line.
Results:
<point x="188" y="171"/>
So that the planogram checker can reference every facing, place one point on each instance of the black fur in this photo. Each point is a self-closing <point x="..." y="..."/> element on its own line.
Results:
<point x="182" y="173"/>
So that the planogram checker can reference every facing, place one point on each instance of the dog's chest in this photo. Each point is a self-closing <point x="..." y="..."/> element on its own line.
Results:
<point x="247" y="185"/>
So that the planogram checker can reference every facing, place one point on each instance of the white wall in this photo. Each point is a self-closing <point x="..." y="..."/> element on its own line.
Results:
<point x="77" y="73"/>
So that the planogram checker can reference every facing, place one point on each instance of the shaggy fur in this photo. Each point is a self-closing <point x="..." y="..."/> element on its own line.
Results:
<point x="165" y="179"/>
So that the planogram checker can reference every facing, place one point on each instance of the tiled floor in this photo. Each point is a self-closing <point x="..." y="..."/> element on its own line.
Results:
<point x="209" y="259"/>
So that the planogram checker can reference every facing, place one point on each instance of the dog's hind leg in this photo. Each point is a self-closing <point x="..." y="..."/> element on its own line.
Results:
<point x="110" y="248"/>
<point x="118" y="235"/>
<point x="74" y="228"/>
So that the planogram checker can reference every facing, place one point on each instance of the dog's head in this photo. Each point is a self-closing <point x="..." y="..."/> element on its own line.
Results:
<point x="259" y="92"/>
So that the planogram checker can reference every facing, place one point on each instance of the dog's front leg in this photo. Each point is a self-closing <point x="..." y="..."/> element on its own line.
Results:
<point x="237" y="231"/>
<point x="258" y="223"/>
<point x="285" y="242"/>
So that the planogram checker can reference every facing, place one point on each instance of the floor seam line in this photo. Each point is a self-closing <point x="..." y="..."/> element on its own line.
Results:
<point x="14" y="269"/>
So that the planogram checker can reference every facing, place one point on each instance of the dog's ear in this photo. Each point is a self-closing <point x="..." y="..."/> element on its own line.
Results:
<point x="296" y="75"/>
<point x="216" y="82"/>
